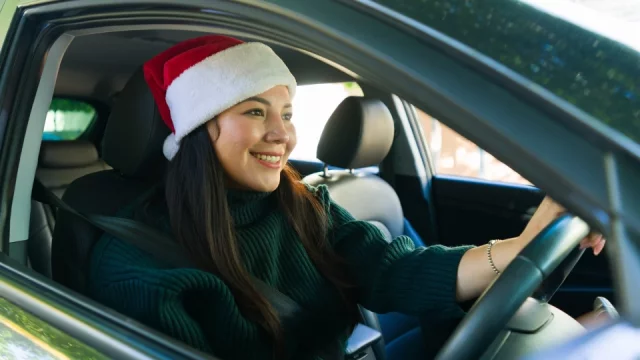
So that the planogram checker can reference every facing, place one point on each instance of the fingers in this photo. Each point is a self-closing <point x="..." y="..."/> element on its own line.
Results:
<point x="594" y="241"/>
<point x="549" y="210"/>
<point x="598" y="248"/>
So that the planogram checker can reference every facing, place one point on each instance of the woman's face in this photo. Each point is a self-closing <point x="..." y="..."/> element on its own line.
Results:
<point x="254" y="138"/>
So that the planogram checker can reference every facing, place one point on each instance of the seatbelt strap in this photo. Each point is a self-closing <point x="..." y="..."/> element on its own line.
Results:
<point x="161" y="246"/>
<point x="145" y="237"/>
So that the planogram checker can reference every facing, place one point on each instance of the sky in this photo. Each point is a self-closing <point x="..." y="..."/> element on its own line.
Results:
<point x="615" y="19"/>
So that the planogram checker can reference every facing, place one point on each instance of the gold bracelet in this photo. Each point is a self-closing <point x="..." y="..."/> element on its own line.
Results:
<point x="493" y="265"/>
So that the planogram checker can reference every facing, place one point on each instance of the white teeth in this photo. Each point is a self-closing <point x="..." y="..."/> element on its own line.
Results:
<point x="268" y="158"/>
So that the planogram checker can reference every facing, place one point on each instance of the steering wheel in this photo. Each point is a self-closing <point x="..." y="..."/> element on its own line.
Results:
<point x="554" y="246"/>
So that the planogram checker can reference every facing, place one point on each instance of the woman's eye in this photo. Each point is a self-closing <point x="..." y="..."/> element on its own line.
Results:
<point x="255" y="112"/>
<point x="287" y="117"/>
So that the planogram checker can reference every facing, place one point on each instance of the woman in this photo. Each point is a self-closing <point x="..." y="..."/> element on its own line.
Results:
<point x="241" y="213"/>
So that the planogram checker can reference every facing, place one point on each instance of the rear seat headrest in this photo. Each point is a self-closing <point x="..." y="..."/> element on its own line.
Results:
<point x="133" y="138"/>
<point x="67" y="154"/>
<point x="358" y="134"/>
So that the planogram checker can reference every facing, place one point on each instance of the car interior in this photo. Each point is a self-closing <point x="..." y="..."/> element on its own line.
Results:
<point x="119" y="156"/>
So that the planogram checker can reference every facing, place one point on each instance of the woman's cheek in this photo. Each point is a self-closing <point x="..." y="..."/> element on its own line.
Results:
<point x="293" y="139"/>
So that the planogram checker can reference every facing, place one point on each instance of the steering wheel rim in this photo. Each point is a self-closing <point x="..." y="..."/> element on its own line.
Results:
<point x="501" y="300"/>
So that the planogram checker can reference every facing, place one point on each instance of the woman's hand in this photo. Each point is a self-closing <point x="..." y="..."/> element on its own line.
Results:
<point x="548" y="211"/>
<point x="475" y="272"/>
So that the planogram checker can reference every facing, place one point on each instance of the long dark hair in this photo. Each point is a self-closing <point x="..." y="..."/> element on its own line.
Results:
<point x="202" y="223"/>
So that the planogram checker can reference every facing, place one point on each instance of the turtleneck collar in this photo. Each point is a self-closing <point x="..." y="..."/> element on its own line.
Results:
<point x="247" y="206"/>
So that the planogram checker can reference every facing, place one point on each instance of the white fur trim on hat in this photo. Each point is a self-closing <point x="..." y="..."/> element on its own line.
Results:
<point x="170" y="146"/>
<point x="220" y="82"/>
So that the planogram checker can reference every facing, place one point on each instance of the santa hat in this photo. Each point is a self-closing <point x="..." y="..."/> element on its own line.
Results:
<point x="196" y="80"/>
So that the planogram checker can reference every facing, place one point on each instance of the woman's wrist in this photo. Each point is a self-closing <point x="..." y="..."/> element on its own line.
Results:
<point x="522" y="240"/>
<point x="504" y="251"/>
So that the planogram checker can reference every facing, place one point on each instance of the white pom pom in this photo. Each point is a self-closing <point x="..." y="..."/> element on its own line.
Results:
<point x="170" y="147"/>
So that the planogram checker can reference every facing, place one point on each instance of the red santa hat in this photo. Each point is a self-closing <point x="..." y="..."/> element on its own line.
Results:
<point x="196" y="80"/>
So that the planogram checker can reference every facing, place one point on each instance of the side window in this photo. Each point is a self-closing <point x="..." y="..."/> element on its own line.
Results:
<point x="312" y="108"/>
<point x="67" y="119"/>
<point x="455" y="155"/>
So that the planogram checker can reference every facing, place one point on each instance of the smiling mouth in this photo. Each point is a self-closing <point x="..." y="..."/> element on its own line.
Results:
<point x="272" y="159"/>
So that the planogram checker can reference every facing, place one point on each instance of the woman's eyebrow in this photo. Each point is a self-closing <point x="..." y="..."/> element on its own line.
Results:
<point x="258" y="99"/>
<point x="264" y="101"/>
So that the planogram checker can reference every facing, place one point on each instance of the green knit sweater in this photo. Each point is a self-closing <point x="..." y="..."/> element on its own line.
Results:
<point x="199" y="309"/>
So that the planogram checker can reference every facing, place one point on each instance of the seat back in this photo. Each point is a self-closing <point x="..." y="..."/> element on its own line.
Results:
<point x="132" y="145"/>
<point x="359" y="134"/>
<point x="62" y="162"/>
<point x="59" y="164"/>
<point x="366" y="196"/>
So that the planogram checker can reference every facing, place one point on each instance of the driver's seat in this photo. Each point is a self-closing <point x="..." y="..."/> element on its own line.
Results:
<point x="358" y="135"/>
<point x="132" y="145"/>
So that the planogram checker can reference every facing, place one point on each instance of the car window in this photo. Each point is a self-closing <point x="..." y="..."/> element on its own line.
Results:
<point x="583" y="53"/>
<point x="453" y="154"/>
<point x="24" y="336"/>
<point x="67" y="119"/>
<point x="312" y="108"/>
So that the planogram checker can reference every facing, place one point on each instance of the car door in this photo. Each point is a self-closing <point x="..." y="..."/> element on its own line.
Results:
<point x="476" y="198"/>
<point x="25" y="336"/>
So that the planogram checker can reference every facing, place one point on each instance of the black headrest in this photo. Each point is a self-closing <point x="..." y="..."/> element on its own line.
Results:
<point x="67" y="154"/>
<point x="358" y="134"/>
<point x="133" y="138"/>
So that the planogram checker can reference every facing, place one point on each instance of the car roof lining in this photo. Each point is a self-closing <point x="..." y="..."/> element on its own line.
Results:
<point x="97" y="66"/>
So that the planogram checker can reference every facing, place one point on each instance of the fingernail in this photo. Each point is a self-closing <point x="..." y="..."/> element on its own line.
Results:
<point x="597" y="250"/>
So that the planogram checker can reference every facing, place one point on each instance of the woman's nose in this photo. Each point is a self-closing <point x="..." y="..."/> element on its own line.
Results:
<point x="277" y="130"/>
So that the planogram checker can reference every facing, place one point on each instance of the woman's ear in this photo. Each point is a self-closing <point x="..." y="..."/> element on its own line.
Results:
<point x="213" y="129"/>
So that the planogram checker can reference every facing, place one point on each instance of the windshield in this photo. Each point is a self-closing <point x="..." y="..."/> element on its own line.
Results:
<point x="585" y="51"/>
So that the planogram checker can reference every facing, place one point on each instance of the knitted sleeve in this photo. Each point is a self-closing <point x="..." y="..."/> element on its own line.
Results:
<point x="394" y="276"/>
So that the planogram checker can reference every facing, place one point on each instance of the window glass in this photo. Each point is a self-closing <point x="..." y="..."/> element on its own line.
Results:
<point x="67" y="119"/>
<point x="586" y="52"/>
<point x="312" y="108"/>
<point x="453" y="154"/>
